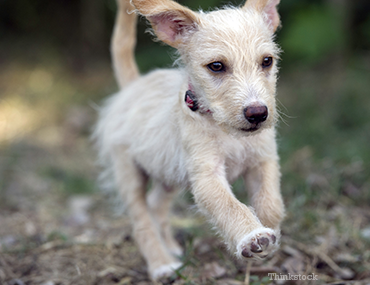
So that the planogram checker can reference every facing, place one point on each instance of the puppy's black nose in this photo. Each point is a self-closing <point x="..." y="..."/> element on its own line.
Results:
<point x="256" y="114"/>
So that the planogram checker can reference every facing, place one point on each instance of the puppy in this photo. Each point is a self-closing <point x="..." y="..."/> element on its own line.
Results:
<point x="199" y="126"/>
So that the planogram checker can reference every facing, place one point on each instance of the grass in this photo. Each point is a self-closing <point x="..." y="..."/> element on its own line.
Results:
<point x="70" y="183"/>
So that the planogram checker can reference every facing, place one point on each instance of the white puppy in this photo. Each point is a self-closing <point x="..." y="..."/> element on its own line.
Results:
<point x="199" y="126"/>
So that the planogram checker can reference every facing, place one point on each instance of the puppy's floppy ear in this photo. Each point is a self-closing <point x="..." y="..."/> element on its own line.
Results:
<point x="172" y="23"/>
<point x="269" y="7"/>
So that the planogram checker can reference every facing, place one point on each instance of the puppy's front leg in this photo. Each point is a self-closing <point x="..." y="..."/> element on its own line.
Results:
<point x="263" y="185"/>
<point x="240" y="227"/>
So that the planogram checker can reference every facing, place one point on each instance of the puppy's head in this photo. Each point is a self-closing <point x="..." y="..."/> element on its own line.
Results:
<point x="230" y="57"/>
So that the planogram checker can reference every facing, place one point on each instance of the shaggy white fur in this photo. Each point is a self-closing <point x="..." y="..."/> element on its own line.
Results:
<point x="147" y="131"/>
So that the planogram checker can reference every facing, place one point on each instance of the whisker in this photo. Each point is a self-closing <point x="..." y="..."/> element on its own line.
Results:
<point x="281" y="114"/>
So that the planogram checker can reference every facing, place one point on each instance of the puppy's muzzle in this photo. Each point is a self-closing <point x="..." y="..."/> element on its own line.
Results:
<point x="256" y="114"/>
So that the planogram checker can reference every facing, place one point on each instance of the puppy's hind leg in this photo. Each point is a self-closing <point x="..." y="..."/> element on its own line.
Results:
<point x="160" y="201"/>
<point x="132" y="187"/>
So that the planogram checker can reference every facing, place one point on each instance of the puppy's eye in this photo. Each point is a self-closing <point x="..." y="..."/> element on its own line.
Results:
<point x="216" y="66"/>
<point x="267" y="62"/>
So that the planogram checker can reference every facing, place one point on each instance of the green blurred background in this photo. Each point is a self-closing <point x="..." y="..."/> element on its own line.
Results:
<point x="55" y="68"/>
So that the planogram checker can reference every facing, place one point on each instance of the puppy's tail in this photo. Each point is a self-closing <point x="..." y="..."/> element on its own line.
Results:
<point x="123" y="44"/>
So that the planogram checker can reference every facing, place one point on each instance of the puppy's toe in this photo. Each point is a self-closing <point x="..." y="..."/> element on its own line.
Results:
<point x="258" y="244"/>
<point x="165" y="271"/>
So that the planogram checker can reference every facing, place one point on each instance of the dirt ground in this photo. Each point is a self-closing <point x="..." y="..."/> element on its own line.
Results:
<point x="50" y="236"/>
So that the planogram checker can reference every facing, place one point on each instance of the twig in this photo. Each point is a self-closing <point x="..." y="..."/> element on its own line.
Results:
<point x="248" y="272"/>
<point x="323" y="256"/>
<point x="329" y="262"/>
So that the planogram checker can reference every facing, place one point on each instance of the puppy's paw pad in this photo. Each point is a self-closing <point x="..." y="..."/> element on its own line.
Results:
<point x="165" y="271"/>
<point x="258" y="244"/>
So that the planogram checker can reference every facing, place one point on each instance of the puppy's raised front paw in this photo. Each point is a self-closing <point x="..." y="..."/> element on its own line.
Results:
<point x="258" y="244"/>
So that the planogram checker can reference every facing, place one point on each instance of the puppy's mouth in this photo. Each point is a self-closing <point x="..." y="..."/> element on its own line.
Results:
<point x="252" y="128"/>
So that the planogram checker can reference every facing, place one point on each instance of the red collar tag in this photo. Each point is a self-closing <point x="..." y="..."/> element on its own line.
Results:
<point x="191" y="101"/>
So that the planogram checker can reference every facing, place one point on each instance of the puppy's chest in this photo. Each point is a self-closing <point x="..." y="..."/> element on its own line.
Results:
<point x="239" y="155"/>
